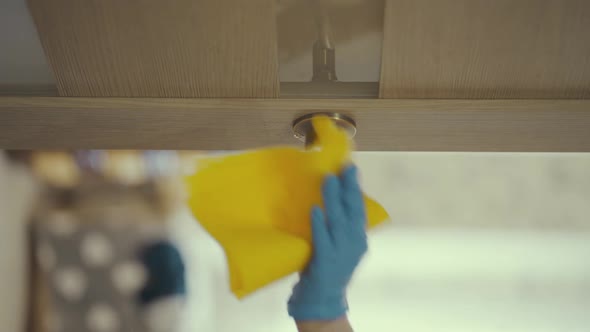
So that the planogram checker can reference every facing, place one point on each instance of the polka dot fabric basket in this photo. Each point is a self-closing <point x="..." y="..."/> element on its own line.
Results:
<point x="106" y="260"/>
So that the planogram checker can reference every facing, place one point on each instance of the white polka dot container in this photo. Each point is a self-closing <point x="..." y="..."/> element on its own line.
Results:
<point x="96" y="275"/>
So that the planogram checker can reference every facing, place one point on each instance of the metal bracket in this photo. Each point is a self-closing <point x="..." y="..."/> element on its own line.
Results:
<point x="303" y="129"/>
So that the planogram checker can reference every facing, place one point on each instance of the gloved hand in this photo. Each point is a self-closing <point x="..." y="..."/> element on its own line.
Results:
<point x="339" y="243"/>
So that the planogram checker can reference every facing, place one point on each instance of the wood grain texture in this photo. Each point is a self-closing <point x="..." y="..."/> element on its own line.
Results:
<point x="486" y="49"/>
<point x="232" y="124"/>
<point x="309" y="90"/>
<point x="181" y="48"/>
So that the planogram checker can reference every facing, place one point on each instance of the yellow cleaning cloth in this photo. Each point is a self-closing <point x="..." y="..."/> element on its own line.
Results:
<point x="257" y="204"/>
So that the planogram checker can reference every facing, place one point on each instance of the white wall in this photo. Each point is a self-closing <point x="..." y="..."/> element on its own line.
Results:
<point x="16" y="193"/>
<point x="22" y="60"/>
<point x="419" y="280"/>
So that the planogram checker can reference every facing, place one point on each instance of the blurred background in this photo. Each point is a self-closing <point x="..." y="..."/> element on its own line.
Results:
<point x="479" y="242"/>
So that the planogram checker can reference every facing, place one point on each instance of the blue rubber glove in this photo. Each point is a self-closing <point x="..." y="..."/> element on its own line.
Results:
<point x="339" y="243"/>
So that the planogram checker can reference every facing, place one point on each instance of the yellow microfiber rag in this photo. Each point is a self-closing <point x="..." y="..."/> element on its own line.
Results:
<point x="257" y="204"/>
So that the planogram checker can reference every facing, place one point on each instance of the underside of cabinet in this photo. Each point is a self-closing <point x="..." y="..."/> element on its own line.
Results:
<point x="449" y="75"/>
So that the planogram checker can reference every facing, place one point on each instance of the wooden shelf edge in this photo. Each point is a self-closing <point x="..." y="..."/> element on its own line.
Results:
<point x="541" y="125"/>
